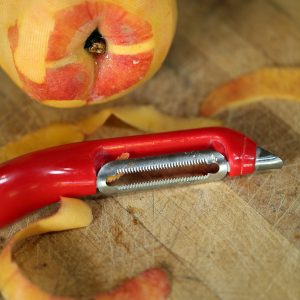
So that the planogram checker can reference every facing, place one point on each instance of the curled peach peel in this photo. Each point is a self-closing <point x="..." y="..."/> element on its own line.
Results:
<point x="73" y="213"/>
<point x="49" y="136"/>
<point x="268" y="83"/>
<point x="145" y="118"/>
<point x="49" y="47"/>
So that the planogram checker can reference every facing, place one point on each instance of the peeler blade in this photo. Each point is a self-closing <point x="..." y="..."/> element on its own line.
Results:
<point x="161" y="171"/>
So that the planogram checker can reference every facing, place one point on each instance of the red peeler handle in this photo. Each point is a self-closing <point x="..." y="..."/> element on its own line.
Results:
<point x="40" y="178"/>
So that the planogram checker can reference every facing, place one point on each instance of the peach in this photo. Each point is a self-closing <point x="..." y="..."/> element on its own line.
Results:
<point x="72" y="52"/>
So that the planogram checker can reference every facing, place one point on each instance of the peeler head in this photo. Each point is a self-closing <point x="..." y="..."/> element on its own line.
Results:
<point x="161" y="171"/>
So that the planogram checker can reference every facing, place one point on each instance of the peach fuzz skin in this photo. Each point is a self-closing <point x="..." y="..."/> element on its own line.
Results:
<point x="43" y="47"/>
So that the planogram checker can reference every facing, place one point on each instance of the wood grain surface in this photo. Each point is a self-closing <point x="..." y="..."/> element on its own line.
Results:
<point x="235" y="239"/>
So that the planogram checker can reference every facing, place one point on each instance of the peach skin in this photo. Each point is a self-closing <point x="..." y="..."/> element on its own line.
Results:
<point x="68" y="53"/>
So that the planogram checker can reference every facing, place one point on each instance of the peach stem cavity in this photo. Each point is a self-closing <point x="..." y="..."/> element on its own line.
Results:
<point x="95" y="43"/>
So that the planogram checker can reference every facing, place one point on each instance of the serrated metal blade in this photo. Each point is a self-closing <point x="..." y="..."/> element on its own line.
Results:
<point x="145" y="168"/>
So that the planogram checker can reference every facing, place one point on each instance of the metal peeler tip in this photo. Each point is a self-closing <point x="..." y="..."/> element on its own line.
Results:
<point x="265" y="160"/>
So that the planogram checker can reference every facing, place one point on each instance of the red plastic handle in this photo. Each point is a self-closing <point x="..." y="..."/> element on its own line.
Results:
<point x="40" y="178"/>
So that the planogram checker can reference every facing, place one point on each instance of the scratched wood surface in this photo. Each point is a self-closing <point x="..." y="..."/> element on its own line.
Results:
<point x="236" y="239"/>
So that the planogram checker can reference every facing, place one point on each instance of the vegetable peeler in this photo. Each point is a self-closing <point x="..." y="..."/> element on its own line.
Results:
<point x="126" y="164"/>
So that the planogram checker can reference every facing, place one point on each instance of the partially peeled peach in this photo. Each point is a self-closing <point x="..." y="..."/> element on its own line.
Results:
<point x="72" y="52"/>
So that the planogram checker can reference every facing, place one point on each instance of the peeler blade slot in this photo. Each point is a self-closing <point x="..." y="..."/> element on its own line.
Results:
<point x="161" y="171"/>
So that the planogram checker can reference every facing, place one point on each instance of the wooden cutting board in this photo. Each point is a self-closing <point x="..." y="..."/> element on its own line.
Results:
<point x="235" y="239"/>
